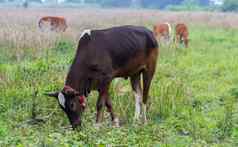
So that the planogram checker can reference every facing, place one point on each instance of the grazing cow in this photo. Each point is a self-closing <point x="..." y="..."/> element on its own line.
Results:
<point x="163" y="31"/>
<point x="101" y="56"/>
<point x="181" y="34"/>
<point x="53" y="23"/>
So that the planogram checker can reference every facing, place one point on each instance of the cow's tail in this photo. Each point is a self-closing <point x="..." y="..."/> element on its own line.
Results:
<point x="151" y="41"/>
<point x="40" y="23"/>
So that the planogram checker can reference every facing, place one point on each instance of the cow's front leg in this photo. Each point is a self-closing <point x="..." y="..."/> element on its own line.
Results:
<point x="104" y="99"/>
<point x="115" y="120"/>
<point x="100" y="104"/>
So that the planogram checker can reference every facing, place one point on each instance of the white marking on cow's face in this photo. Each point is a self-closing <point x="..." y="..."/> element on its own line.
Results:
<point x="61" y="99"/>
<point x="85" y="32"/>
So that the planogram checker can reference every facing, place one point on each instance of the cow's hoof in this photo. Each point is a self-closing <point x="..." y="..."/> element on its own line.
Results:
<point x="116" y="123"/>
<point x="137" y="119"/>
<point x="97" y="125"/>
<point x="145" y="121"/>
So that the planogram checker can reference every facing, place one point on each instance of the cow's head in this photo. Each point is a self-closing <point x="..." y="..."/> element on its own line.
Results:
<point x="72" y="103"/>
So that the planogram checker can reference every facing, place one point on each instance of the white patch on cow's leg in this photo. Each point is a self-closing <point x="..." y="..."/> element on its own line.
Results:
<point x="85" y="32"/>
<point x="116" y="122"/>
<point x="138" y="100"/>
<point x="170" y="28"/>
<point x="61" y="99"/>
<point x="144" y="113"/>
<point x="97" y="125"/>
<point x="169" y="33"/>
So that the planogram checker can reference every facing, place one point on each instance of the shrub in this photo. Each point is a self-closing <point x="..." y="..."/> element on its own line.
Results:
<point x="115" y="3"/>
<point x="230" y="5"/>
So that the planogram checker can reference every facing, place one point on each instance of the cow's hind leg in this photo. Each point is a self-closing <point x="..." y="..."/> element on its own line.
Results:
<point x="177" y="40"/>
<point x="136" y="87"/>
<point x="185" y="40"/>
<point x="148" y="74"/>
<point x="167" y="39"/>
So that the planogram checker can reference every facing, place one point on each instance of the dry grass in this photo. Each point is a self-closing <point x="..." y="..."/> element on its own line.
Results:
<point x="97" y="18"/>
<point x="19" y="27"/>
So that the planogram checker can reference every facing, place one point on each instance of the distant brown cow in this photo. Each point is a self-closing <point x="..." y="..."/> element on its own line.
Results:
<point x="53" y="23"/>
<point x="163" y="31"/>
<point x="181" y="31"/>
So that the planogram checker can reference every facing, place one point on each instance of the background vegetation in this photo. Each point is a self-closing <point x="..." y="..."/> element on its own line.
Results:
<point x="194" y="96"/>
<point x="175" y="5"/>
<point x="230" y="5"/>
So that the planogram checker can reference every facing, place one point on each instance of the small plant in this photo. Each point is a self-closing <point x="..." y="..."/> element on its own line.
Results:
<point x="225" y="125"/>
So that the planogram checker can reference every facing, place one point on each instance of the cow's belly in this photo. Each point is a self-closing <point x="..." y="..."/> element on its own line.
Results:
<point x="134" y="66"/>
<point x="128" y="72"/>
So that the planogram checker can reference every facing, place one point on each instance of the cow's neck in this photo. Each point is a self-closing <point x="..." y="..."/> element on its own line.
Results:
<point x="73" y="77"/>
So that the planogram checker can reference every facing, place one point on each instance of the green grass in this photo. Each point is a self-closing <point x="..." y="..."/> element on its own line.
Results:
<point x="194" y="98"/>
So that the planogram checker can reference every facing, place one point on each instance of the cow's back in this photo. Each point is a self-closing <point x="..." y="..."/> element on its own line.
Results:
<point x="124" y="43"/>
<point x="116" y="52"/>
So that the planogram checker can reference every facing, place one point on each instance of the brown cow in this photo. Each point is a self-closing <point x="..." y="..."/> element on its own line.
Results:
<point x="53" y="23"/>
<point x="163" y="31"/>
<point x="103" y="55"/>
<point x="181" y="31"/>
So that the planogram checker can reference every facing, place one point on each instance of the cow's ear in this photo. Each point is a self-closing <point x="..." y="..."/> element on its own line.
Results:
<point x="84" y="40"/>
<point x="67" y="90"/>
<point x="52" y="94"/>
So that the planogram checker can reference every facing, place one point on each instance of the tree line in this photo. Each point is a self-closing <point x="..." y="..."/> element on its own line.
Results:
<point x="225" y="5"/>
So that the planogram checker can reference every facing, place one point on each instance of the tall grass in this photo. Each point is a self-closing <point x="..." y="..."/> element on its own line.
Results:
<point x="193" y="96"/>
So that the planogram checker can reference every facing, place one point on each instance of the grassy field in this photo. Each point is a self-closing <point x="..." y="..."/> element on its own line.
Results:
<point x="194" y="95"/>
